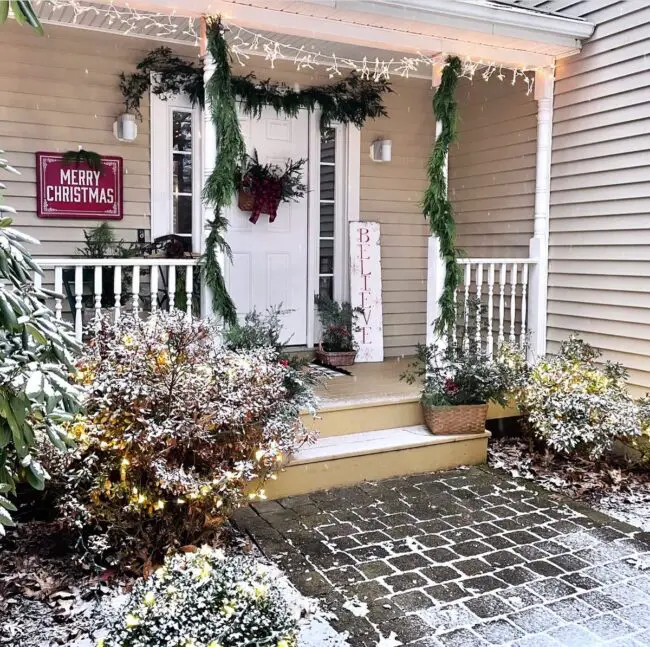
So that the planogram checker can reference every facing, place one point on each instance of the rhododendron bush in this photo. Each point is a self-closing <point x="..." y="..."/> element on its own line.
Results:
<point x="177" y="432"/>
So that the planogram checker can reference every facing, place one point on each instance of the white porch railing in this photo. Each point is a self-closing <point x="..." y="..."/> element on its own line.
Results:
<point x="91" y="287"/>
<point x="500" y="286"/>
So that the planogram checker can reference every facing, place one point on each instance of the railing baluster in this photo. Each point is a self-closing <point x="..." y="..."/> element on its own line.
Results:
<point x="502" y="301"/>
<point x="154" y="288"/>
<point x="189" y="288"/>
<point x="453" y="330"/>
<point x="58" y="288"/>
<point x="490" y="309"/>
<point x="524" y="305"/>
<point x="135" y="291"/>
<point x="479" y="289"/>
<point x="172" y="287"/>
<point x="78" y="301"/>
<point x="513" y="301"/>
<point x="117" y="289"/>
<point x="98" y="295"/>
<point x="468" y="278"/>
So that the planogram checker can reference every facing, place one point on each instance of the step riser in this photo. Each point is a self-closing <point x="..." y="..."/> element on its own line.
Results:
<point x="341" y="422"/>
<point x="311" y="477"/>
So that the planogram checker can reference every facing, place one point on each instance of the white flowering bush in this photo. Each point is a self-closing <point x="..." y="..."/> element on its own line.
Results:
<point x="177" y="433"/>
<point x="575" y="404"/>
<point x="205" y="599"/>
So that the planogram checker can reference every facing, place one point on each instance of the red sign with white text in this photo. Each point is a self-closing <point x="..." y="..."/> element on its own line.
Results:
<point x="71" y="190"/>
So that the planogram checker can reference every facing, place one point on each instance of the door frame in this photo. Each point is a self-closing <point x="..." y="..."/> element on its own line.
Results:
<point x="347" y="182"/>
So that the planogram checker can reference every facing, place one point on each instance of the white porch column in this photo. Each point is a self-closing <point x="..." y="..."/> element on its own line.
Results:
<point x="537" y="299"/>
<point x="435" y="265"/>
<point x="209" y="158"/>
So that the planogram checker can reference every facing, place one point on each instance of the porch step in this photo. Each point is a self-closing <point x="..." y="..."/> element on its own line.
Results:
<point x="335" y="461"/>
<point x="340" y="417"/>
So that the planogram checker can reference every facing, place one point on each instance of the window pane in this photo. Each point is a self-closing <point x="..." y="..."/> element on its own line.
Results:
<point x="327" y="183"/>
<point x="182" y="173"/>
<point x="327" y="220"/>
<point x="328" y="145"/>
<point x="182" y="130"/>
<point x="326" y="257"/>
<point x="326" y="287"/>
<point x="182" y="214"/>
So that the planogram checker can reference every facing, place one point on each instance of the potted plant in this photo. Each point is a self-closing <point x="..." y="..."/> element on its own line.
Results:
<point x="459" y="383"/>
<point x="262" y="187"/>
<point x="337" y="346"/>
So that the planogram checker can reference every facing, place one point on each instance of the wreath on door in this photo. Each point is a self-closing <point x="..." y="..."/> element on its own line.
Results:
<point x="263" y="187"/>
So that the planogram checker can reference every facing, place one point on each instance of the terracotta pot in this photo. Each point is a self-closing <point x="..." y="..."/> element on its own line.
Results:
<point x="340" y="358"/>
<point x="459" y="419"/>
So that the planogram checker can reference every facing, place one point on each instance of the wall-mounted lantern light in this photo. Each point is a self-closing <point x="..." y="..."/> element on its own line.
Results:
<point x="381" y="150"/>
<point x="125" y="128"/>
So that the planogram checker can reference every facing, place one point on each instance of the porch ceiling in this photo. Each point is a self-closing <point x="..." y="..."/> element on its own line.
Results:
<point x="353" y="29"/>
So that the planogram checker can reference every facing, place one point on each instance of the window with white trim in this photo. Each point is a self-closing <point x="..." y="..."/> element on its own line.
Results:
<point x="182" y="176"/>
<point x="328" y="213"/>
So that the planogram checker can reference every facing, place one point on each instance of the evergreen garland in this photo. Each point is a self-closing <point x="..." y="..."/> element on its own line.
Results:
<point x="220" y="187"/>
<point x="436" y="205"/>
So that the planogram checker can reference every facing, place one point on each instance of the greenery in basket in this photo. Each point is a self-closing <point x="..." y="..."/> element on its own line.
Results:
<point x="205" y="599"/>
<point x="465" y="374"/>
<point x="338" y="321"/>
<point x="100" y="242"/>
<point x="574" y="402"/>
<point x="270" y="184"/>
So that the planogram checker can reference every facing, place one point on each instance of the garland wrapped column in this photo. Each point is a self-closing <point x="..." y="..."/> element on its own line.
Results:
<point x="436" y="205"/>
<point x="220" y="186"/>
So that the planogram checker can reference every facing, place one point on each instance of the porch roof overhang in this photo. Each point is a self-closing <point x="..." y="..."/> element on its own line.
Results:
<point x="480" y="29"/>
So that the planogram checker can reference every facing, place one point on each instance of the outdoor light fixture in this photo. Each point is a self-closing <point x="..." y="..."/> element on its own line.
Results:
<point x="125" y="128"/>
<point x="381" y="150"/>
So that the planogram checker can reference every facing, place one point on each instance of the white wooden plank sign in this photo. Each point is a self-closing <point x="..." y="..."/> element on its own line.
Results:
<point x="365" y="290"/>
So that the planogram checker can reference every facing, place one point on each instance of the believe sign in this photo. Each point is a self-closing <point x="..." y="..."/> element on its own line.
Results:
<point x="74" y="190"/>
<point x="365" y="290"/>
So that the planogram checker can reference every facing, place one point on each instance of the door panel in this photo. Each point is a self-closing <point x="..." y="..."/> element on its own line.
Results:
<point x="270" y="259"/>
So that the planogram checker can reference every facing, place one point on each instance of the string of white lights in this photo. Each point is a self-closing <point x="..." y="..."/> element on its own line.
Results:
<point x="245" y="43"/>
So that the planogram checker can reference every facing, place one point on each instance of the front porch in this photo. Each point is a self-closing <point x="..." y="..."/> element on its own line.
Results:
<point x="370" y="423"/>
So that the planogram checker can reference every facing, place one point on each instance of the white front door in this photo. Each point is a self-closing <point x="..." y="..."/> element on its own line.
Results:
<point x="270" y="265"/>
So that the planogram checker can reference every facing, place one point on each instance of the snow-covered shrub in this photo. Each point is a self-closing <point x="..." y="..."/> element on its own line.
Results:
<point x="205" y="599"/>
<point x="573" y="403"/>
<point x="177" y="432"/>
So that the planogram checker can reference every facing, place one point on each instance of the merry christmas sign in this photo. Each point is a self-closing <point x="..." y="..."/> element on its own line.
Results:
<point x="74" y="190"/>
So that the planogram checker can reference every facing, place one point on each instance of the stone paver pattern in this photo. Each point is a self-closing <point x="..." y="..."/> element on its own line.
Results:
<point x="464" y="558"/>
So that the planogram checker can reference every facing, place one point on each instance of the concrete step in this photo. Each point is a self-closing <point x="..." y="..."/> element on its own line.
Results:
<point x="347" y="459"/>
<point x="342" y="417"/>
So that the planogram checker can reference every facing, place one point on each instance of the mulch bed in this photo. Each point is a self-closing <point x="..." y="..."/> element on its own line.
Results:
<point x="612" y="485"/>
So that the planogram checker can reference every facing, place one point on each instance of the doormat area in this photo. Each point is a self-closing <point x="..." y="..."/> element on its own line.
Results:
<point x="327" y="371"/>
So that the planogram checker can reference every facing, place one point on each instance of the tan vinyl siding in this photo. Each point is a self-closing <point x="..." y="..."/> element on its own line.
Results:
<point x="492" y="168"/>
<point x="391" y="195"/>
<point x="61" y="91"/>
<point x="58" y="93"/>
<point x="599" y="274"/>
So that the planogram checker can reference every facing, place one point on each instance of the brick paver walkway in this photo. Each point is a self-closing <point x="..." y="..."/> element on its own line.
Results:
<point x="460" y="559"/>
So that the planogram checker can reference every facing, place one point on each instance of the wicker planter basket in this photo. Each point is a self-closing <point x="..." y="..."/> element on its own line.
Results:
<point x="343" y="358"/>
<point x="461" y="419"/>
<point x="246" y="202"/>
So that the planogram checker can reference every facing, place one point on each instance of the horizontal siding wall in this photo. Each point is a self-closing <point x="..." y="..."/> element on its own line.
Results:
<point x="60" y="92"/>
<point x="599" y="282"/>
<point x="492" y="168"/>
<point x="391" y="195"/>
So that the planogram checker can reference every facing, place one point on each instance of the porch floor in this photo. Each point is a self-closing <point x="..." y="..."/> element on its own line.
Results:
<point x="371" y="383"/>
